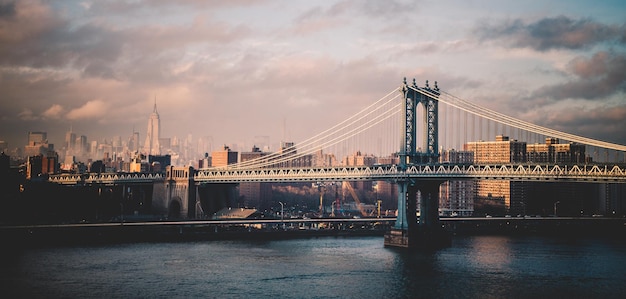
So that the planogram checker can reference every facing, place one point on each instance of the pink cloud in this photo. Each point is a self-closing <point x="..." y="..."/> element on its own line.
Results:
<point x="91" y="109"/>
<point x="53" y="112"/>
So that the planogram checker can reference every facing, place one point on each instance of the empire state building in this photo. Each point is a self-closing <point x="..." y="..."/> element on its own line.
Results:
<point x="152" y="147"/>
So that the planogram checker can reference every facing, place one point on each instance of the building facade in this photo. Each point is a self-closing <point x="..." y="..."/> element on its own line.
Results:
<point x="554" y="152"/>
<point x="223" y="157"/>
<point x="500" y="151"/>
<point x="498" y="196"/>
<point x="254" y="195"/>
<point x="456" y="198"/>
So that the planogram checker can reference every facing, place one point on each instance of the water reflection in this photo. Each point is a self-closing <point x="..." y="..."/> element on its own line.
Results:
<point x="491" y="253"/>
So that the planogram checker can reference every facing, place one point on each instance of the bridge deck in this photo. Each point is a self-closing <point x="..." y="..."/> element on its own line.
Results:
<point x="519" y="172"/>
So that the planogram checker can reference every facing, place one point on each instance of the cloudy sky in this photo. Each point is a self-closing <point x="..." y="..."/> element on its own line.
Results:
<point x="234" y="70"/>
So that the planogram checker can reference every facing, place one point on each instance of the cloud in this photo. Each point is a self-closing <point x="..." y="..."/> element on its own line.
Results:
<point x="53" y="112"/>
<point x="27" y="115"/>
<point x="596" y="77"/>
<point x="23" y="27"/>
<point x="93" y="109"/>
<point x="605" y="123"/>
<point x="33" y="35"/>
<point x="21" y="20"/>
<point x="552" y="33"/>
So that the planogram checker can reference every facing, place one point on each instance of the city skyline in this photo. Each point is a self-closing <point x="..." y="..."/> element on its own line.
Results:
<point x="238" y="70"/>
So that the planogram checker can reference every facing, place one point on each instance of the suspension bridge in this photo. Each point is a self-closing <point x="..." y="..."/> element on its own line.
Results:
<point x="411" y="125"/>
<point x="418" y="138"/>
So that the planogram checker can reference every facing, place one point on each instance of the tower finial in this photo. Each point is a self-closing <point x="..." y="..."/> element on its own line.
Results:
<point x="155" y="109"/>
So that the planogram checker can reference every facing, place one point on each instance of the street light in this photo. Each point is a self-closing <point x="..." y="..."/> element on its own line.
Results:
<point x="556" y="203"/>
<point x="282" y="213"/>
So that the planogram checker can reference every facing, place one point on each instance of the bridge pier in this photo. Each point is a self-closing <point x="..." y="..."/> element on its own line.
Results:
<point x="425" y="233"/>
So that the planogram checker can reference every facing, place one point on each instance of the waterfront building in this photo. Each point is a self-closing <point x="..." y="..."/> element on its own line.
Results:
<point x="499" y="196"/>
<point x="138" y="165"/>
<point x="452" y="156"/>
<point x="205" y="162"/>
<point x="387" y="191"/>
<point x="612" y="199"/>
<point x="152" y="145"/>
<point x="224" y="157"/>
<point x="358" y="159"/>
<point x="500" y="151"/>
<point x="161" y="160"/>
<point x="554" y="152"/>
<point x="254" y="194"/>
<point x="288" y="149"/>
<point x="456" y="198"/>
<point x="321" y="159"/>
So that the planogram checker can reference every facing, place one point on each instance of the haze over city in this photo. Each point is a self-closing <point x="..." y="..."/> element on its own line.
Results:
<point x="237" y="70"/>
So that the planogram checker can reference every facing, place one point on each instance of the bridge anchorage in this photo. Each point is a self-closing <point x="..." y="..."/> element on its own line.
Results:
<point x="407" y="231"/>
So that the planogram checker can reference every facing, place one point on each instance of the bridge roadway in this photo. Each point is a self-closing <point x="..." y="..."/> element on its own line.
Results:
<point x="515" y="172"/>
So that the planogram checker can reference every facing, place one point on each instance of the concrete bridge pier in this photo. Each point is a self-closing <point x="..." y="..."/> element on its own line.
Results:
<point x="179" y="196"/>
<point x="428" y="231"/>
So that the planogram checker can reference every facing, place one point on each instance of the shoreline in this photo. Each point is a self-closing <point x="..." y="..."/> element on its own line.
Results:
<point x="190" y="231"/>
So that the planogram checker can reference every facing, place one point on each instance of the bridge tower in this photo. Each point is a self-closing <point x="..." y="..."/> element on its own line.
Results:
<point x="407" y="231"/>
<point x="176" y="195"/>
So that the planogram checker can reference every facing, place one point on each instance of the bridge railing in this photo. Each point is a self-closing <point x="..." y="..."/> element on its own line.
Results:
<point x="105" y="178"/>
<point x="523" y="172"/>
<point x="514" y="172"/>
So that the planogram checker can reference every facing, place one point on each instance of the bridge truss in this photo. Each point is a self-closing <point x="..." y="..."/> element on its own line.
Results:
<point x="586" y="173"/>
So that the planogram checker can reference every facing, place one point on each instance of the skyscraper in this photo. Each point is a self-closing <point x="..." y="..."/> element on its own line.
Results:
<point x="70" y="141"/>
<point x="152" y="147"/>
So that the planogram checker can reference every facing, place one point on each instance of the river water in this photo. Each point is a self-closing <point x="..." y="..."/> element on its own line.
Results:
<point x="323" y="267"/>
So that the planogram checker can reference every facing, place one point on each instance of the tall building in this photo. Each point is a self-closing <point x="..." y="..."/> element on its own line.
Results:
<point x="554" y="152"/>
<point x="359" y="159"/>
<point x="320" y="159"/>
<point x="288" y="149"/>
<point x="457" y="197"/>
<point x="50" y="163"/>
<point x="70" y="142"/>
<point x="133" y="142"/>
<point x="152" y="146"/>
<point x="500" y="151"/>
<point x="387" y="191"/>
<point x="224" y="157"/>
<point x="255" y="195"/>
<point x="82" y="146"/>
<point x="499" y="196"/>
<point x="35" y="138"/>
<point x="37" y="144"/>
